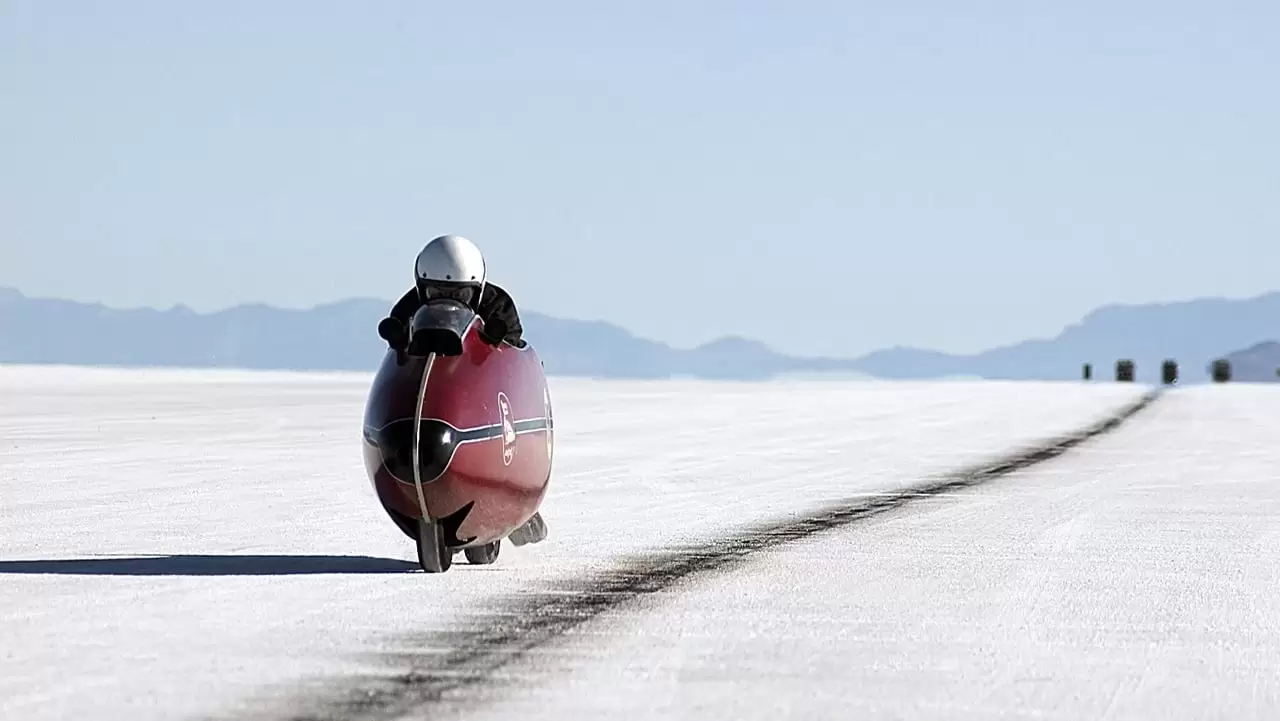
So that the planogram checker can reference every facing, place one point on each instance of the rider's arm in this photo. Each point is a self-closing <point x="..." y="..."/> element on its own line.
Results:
<point x="497" y="303"/>
<point x="404" y="308"/>
<point x="394" y="329"/>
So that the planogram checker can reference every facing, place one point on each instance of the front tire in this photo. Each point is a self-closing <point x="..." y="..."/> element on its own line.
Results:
<point x="433" y="555"/>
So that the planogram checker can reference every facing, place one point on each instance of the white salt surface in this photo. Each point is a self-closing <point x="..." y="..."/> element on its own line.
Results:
<point x="1135" y="578"/>
<point x="301" y="571"/>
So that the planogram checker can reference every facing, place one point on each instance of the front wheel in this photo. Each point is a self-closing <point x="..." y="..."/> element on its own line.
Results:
<point x="483" y="555"/>
<point x="433" y="555"/>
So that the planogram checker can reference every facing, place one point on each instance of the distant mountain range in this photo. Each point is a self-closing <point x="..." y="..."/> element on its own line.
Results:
<point x="1192" y="332"/>
<point x="341" y="336"/>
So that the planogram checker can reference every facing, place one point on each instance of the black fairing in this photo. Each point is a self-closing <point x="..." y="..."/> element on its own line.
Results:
<point x="438" y="327"/>
<point x="436" y="447"/>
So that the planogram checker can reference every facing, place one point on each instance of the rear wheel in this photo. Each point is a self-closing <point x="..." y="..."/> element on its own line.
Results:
<point x="483" y="555"/>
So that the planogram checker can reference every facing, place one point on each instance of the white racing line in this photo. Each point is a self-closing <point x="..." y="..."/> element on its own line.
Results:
<point x="181" y="543"/>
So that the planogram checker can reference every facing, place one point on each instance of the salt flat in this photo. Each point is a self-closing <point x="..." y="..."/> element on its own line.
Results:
<point x="266" y="560"/>
<point x="1135" y="578"/>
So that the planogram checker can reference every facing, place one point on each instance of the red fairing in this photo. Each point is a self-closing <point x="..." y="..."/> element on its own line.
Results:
<point x="487" y="439"/>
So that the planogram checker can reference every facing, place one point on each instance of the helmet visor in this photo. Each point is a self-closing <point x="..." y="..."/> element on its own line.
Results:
<point x="464" y="294"/>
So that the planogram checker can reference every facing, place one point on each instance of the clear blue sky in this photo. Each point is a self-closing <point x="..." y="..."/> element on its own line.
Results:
<point x="829" y="177"/>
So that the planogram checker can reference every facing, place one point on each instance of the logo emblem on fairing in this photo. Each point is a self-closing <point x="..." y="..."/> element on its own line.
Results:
<point x="508" y="429"/>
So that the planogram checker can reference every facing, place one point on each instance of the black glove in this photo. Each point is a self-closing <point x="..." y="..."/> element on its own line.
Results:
<point x="493" y="331"/>
<point x="394" y="333"/>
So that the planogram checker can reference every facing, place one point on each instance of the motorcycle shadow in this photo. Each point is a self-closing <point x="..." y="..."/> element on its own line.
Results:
<point x="209" y="565"/>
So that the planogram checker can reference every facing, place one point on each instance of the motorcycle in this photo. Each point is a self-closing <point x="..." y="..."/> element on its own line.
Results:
<point x="459" y="438"/>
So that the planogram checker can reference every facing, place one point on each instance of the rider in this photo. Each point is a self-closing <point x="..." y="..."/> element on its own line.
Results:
<point x="451" y="266"/>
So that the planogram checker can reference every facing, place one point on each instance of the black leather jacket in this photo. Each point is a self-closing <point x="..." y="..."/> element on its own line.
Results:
<point x="494" y="303"/>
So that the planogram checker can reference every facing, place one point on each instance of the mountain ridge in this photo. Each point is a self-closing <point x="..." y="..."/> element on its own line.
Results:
<point x="1194" y="332"/>
<point x="340" y="335"/>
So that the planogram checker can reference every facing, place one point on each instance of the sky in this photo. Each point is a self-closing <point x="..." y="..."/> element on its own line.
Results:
<point x="828" y="177"/>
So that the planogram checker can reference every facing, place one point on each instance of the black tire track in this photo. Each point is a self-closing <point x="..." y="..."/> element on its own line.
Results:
<point x="494" y="639"/>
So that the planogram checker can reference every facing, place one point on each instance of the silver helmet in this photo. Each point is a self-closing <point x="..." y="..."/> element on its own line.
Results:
<point x="450" y="266"/>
